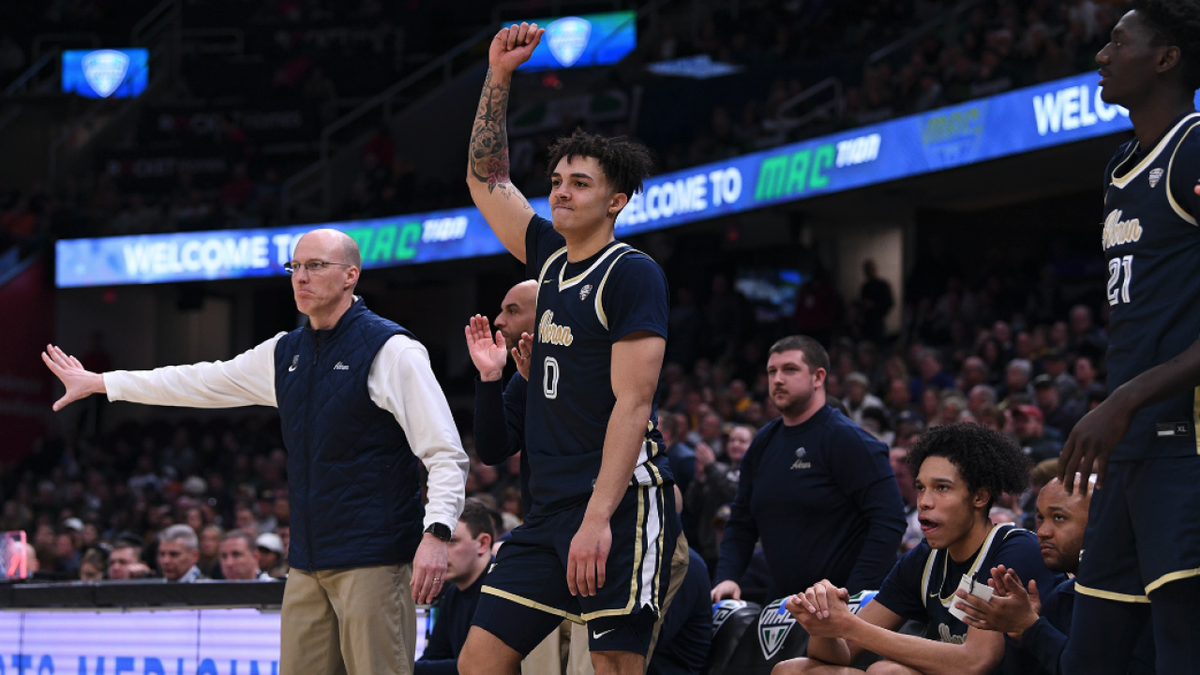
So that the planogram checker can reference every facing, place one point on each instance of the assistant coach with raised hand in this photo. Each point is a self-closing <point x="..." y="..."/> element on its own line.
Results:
<point x="359" y="407"/>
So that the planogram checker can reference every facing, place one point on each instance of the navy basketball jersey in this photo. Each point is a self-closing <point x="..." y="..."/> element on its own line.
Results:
<point x="941" y="577"/>
<point x="1152" y="246"/>
<point x="570" y="397"/>
<point x="921" y="586"/>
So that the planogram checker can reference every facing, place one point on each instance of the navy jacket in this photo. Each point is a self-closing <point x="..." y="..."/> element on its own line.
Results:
<point x="353" y="481"/>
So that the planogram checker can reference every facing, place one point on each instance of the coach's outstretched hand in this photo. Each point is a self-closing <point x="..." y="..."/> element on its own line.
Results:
<point x="513" y="46"/>
<point x="487" y="351"/>
<point x="1091" y="442"/>
<point x="80" y="382"/>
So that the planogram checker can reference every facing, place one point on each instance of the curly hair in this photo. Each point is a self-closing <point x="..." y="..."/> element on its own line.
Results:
<point x="625" y="162"/>
<point x="1175" y="23"/>
<point x="984" y="457"/>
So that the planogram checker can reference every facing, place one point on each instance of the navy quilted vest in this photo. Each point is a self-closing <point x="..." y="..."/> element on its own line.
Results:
<point x="353" y="482"/>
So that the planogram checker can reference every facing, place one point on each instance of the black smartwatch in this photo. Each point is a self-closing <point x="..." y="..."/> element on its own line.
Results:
<point x="440" y="531"/>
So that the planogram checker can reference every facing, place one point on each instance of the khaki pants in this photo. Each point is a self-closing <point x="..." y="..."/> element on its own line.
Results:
<point x="579" y="660"/>
<point x="348" y="622"/>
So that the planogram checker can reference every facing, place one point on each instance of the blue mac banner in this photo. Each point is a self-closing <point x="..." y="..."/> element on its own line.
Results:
<point x="1008" y="124"/>
<point x="101" y="73"/>
<point x="580" y="41"/>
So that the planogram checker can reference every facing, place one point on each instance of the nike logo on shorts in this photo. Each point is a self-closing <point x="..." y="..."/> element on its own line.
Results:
<point x="597" y="636"/>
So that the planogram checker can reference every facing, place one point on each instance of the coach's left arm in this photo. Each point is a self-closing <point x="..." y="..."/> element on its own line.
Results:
<point x="636" y="361"/>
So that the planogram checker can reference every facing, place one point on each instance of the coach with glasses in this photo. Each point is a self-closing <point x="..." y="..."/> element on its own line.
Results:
<point x="359" y="406"/>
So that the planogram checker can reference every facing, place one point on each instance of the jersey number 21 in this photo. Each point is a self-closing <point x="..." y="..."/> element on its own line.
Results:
<point x="1118" y="289"/>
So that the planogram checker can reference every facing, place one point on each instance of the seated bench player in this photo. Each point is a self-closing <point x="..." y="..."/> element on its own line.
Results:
<point x="960" y="471"/>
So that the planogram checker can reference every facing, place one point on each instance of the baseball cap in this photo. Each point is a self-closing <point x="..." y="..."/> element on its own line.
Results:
<point x="858" y="378"/>
<point x="1043" y="381"/>
<point x="73" y="524"/>
<point x="271" y="542"/>
<point x="1028" y="411"/>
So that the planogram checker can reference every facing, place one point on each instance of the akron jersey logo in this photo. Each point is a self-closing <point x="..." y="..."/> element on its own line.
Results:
<point x="105" y="70"/>
<point x="773" y="628"/>
<point x="567" y="38"/>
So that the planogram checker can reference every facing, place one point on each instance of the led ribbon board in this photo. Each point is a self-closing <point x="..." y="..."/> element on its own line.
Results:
<point x="1007" y="124"/>
<point x="581" y="41"/>
<point x="105" y="73"/>
<point x="172" y="642"/>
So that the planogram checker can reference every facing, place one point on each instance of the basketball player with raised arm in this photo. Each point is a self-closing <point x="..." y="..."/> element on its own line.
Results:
<point x="1141" y="559"/>
<point x="596" y="547"/>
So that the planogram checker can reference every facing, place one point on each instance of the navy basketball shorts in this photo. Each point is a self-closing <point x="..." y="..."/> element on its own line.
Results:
<point x="1143" y="529"/>
<point x="525" y="595"/>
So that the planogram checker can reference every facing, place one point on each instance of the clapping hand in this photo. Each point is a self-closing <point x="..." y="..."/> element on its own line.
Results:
<point x="488" y="354"/>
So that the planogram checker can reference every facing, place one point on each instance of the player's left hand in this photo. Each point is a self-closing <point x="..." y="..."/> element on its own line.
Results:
<point x="824" y="610"/>
<point x="1091" y="442"/>
<point x="1011" y="610"/>
<point x="429" y="569"/>
<point x="588" y="555"/>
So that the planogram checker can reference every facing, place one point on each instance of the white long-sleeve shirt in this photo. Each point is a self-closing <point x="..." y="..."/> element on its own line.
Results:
<point x="400" y="382"/>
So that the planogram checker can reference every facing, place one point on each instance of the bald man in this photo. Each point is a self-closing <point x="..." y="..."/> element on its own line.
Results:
<point x="359" y="406"/>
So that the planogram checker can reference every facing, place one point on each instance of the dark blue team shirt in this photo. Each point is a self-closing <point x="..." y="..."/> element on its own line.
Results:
<point x="584" y="308"/>
<point x="921" y="586"/>
<point x="454" y="612"/>
<point x="823" y="498"/>
<point x="1152" y="244"/>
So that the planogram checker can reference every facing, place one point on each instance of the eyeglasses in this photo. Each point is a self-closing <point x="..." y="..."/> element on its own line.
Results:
<point x="313" y="266"/>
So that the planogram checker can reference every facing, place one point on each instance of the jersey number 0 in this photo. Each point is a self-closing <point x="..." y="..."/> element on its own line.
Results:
<point x="550" y="377"/>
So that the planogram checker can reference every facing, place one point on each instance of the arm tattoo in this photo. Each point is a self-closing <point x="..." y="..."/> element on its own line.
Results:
<point x="489" y="137"/>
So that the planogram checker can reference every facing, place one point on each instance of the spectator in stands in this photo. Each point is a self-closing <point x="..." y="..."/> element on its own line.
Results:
<point x="1017" y="376"/>
<point x="858" y="397"/>
<point x="1038" y="619"/>
<point x="876" y="300"/>
<point x="92" y="565"/>
<point x="708" y="433"/>
<point x="210" y="550"/>
<point x="816" y="487"/>
<point x="681" y="455"/>
<point x="125" y="561"/>
<point x="1029" y="426"/>
<point x="1084" y="370"/>
<point x="978" y="397"/>
<point x="178" y="552"/>
<point x="239" y="559"/>
<point x="271" y="555"/>
<point x="930" y="374"/>
<point x="974" y="373"/>
<point x="1054" y="364"/>
<point x="1087" y="339"/>
<point x="466" y="569"/>
<point x="714" y="484"/>
<point x="1060" y="417"/>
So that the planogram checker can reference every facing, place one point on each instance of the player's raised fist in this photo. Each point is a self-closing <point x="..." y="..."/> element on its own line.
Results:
<point x="513" y="46"/>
